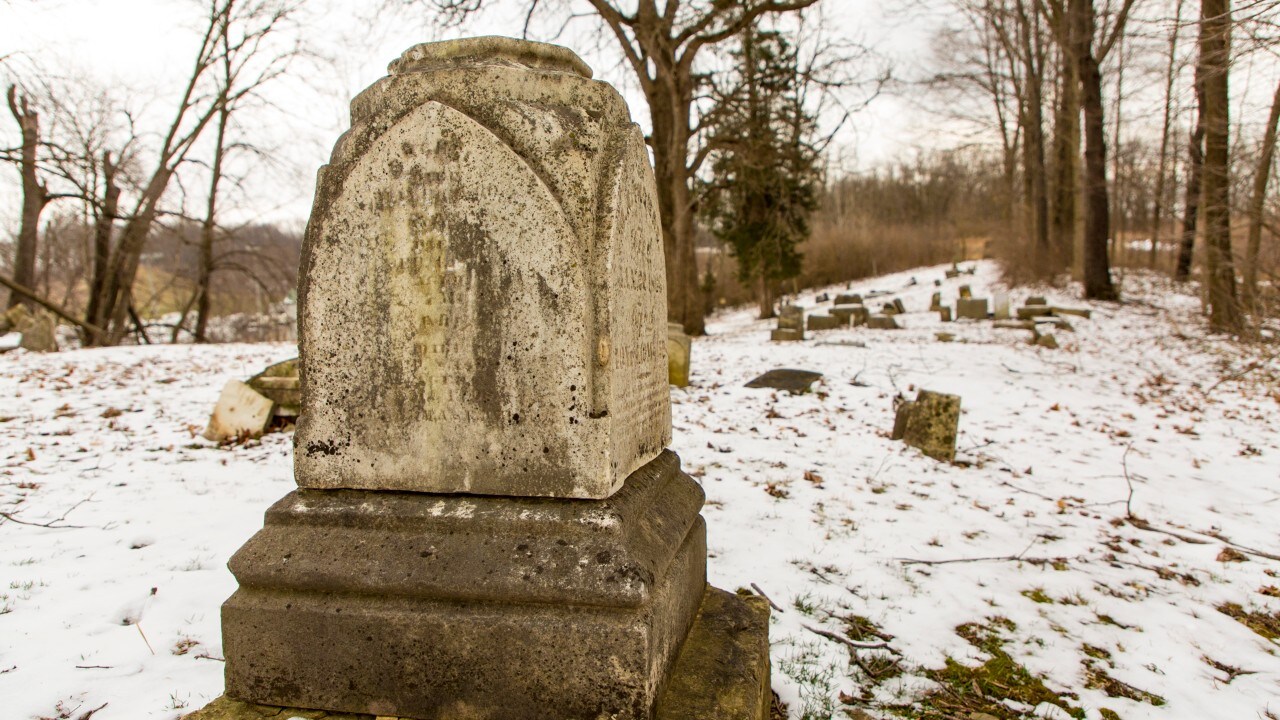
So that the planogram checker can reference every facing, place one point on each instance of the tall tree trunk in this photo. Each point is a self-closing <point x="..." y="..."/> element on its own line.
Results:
<point x="1215" y="50"/>
<point x="1195" y="177"/>
<point x="1066" y="161"/>
<point x="1170" y="72"/>
<point x="1257" y="203"/>
<point x="764" y="297"/>
<point x="1037" y="191"/>
<point x="117" y="291"/>
<point x="670" y="107"/>
<point x="103" y="227"/>
<point x="209" y="227"/>
<point x="1097" y="209"/>
<point x="1115" y="190"/>
<point x="34" y="197"/>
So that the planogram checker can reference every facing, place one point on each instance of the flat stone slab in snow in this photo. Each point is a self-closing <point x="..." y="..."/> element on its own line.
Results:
<point x="795" y="382"/>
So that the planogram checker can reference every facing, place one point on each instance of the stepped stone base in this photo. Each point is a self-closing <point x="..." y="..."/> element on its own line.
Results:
<point x="722" y="672"/>
<point x="452" y="607"/>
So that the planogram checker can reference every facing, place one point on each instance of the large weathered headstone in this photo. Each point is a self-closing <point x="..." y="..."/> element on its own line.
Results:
<point x="464" y="232"/>
<point x="487" y="525"/>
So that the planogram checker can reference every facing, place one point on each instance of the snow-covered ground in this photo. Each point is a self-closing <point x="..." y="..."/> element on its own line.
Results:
<point x="112" y="567"/>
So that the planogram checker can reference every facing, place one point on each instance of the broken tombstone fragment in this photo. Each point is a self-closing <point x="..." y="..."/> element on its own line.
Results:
<point x="40" y="333"/>
<point x="282" y="385"/>
<point x="796" y="382"/>
<point x="241" y="413"/>
<point x="929" y="423"/>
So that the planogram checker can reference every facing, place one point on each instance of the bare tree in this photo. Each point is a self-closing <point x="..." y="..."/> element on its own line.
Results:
<point x="1195" y="175"/>
<point x="1257" y="203"/>
<point x="35" y="192"/>
<point x="195" y="111"/>
<point x="1157" y="222"/>
<point x="243" y="69"/>
<point x="1215" y="62"/>
<point x="1089" y="46"/>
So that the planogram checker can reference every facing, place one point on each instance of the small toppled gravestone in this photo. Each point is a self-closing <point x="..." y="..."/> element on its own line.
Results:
<point x="282" y="385"/>
<point x="790" y="325"/>
<point x="38" y="329"/>
<point x="1078" y="312"/>
<point x="825" y="322"/>
<point x="487" y="524"/>
<point x="847" y="299"/>
<point x="40" y="333"/>
<point x="679" y="351"/>
<point x="851" y="314"/>
<point x="1044" y="339"/>
<point x="879" y="321"/>
<point x="241" y="412"/>
<point x="899" y="306"/>
<point x="929" y="423"/>
<point x="796" y="382"/>
<point x="972" y="308"/>
<point x="1000" y="307"/>
<point x="1027" y="312"/>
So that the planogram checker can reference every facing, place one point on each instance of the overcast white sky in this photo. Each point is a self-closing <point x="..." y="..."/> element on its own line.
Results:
<point x="146" y="46"/>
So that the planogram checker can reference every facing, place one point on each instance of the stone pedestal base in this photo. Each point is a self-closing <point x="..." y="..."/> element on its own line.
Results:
<point x="447" y="607"/>
<point x="722" y="672"/>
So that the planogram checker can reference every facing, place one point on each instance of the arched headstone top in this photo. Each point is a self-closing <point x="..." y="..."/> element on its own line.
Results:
<point x="489" y="50"/>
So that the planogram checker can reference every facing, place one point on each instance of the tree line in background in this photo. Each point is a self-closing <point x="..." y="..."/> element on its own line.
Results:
<point x="1059" y="168"/>
<point x="1066" y="88"/>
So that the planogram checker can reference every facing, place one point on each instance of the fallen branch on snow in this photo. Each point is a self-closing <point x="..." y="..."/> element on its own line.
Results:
<point x="846" y="641"/>
<point x="52" y="523"/>
<point x="760" y="592"/>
